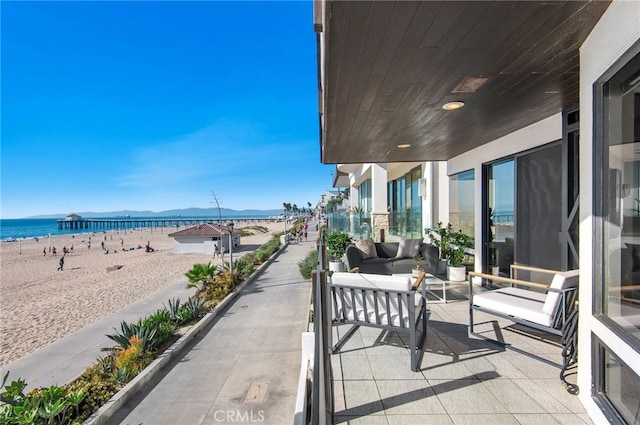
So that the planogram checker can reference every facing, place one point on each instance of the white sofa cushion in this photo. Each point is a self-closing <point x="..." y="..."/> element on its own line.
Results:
<point x="380" y="281"/>
<point x="560" y="281"/>
<point x="520" y="303"/>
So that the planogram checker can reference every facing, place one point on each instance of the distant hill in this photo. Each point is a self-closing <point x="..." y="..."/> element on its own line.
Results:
<point x="187" y="212"/>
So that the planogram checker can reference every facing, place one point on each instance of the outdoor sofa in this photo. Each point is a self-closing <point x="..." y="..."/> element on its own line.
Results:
<point x="391" y="257"/>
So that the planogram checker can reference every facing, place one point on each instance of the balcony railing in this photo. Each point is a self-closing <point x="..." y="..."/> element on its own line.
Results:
<point x="406" y="225"/>
<point x="322" y="381"/>
<point x="358" y="225"/>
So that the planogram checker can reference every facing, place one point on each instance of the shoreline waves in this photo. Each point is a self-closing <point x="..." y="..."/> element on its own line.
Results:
<point x="39" y="304"/>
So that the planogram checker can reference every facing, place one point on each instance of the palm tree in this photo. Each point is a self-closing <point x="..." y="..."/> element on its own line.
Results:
<point x="201" y="274"/>
<point x="287" y="208"/>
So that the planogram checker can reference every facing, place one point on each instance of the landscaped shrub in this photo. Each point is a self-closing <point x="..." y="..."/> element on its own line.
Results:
<point x="262" y="255"/>
<point x="131" y="360"/>
<point x="52" y="405"/>
<point x="201" y="274"/>
<point x="308" y="264"/>
<point x="244" y="266"/>
<point x="146" y="332"/>
<point x="192" y="310"/>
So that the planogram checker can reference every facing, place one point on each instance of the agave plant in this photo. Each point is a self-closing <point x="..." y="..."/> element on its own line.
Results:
<point x="123" y="375"/>
<point x="141" y="331"/>
<point x="192" y="309"/>
<point x="173" y="309"/>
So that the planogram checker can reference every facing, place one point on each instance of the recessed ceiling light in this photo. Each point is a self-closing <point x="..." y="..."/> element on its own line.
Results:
<point x="452" y="106"/>
<point x="404" y="146"/>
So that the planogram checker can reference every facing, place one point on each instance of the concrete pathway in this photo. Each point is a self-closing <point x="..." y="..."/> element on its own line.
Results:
<point x="244" y="367"/>
<point x="64" y="360"/>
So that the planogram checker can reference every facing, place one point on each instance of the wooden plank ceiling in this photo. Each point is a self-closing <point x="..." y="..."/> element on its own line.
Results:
<point x="390" y="66"/>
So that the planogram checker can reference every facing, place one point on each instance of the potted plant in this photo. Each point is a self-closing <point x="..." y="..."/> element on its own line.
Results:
<point x="337" y="243"/>
<point x="452" y="245"/>
<point x="418" y="267"/>
<point x="459" y="242"/>
<point x="439" y="237"/>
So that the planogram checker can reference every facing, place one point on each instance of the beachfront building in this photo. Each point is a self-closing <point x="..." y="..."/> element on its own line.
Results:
<point x="393" y="200"/>
<point x="203" y="239"/>
<point x="518" y="120"/>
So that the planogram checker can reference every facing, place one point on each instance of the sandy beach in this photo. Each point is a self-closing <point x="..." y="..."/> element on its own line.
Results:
<point x="39" y="304"/>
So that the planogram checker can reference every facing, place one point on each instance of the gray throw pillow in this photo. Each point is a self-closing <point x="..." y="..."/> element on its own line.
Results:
<point x="408" y="248"/>
<point x="368" y="248"/>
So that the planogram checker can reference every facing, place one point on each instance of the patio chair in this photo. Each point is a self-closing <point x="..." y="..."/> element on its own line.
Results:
<point x="541" y="306"/>
<point x="380" y="301"/>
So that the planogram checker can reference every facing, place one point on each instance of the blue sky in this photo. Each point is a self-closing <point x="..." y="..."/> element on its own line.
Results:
<point x="109" y="106"/>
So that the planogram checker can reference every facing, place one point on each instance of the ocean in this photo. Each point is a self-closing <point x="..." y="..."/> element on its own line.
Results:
<point x="19" y="228"/>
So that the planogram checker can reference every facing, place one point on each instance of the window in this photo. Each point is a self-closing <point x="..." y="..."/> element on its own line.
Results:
<point x="405" y="205"/>
<point x="617" y="199"/>
<point x="461" y="202"/>
<point x="364" y="195"/>
<point x="619" y="384"/>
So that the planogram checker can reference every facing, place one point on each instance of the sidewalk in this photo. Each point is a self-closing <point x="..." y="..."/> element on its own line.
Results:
<point x="244" y="367"/>
<point x="64" y="360"/>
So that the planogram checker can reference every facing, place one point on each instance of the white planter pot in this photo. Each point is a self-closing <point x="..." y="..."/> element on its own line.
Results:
<point x="456" y="274"/>
<point x="336" y="266"/>
<point x="495" y="271"/>
<point x="416" y="272"/>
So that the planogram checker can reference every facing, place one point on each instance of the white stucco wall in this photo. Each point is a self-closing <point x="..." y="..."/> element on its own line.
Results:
<point x="198" y="245"/>
<point x="615" y="33"/>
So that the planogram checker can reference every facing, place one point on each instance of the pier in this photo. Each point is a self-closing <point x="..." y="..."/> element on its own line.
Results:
<point x="136" y="223"/>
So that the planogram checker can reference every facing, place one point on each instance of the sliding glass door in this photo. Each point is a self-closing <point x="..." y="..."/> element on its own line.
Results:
<point x="523" y="210"/>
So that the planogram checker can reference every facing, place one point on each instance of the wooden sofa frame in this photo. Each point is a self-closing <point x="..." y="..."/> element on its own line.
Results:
<point x="380" y="307"/>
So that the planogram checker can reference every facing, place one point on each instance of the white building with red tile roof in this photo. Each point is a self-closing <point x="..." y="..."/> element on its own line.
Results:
<point x="203" y="239"/>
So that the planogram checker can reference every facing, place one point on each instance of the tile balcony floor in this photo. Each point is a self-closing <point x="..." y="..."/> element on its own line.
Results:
<point x="461" y="380"/>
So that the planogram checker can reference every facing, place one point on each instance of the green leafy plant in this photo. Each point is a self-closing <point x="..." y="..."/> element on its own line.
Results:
<point x="418" y="259"/>
<point x="440" y="238"/>
<point x="13" y="393"/>
<point x="308" y="264"/>
<point x="201" y="275"/>
<point x="245" y="266"/>
<point x="52" y="405"/>
<point x="452" y="244"/>
<point x="337" y="242"/>
<point x="459" y="243"/>
<point x="192" y="310"/>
